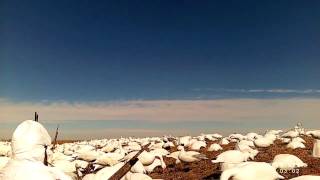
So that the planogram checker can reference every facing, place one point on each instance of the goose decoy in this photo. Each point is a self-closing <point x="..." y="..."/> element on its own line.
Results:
<point x="251" y="171"/>
<point x="287" y="162"/>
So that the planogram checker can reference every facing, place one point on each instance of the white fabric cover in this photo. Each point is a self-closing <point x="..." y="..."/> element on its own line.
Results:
<point x="28" y="153"/>
<point x="316" y="148"/>
<point x="28" y="141"/>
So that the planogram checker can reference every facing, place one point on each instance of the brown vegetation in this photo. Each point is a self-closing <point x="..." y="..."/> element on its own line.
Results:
<point x="207" y="170"/>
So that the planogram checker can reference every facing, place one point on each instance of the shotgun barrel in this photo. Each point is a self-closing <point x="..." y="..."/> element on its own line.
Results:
<point x="55" y="138"/>
<point x="127" y="166"/>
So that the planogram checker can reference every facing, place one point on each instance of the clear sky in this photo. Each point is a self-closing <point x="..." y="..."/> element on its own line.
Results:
<point x="97" y="59"/>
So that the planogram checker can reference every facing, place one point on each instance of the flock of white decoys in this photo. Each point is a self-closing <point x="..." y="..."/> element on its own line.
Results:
<point x="24" y="156"/>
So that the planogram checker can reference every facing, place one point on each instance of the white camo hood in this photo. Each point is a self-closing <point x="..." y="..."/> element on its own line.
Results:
<point x="29" y="141"/>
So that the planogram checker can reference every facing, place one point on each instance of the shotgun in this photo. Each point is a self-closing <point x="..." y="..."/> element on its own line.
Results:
<point x="127" y="166"/>
<point x="55" y="138"/>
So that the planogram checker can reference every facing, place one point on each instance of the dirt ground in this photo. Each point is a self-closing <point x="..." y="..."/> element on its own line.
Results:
<point x="207" y="170"/>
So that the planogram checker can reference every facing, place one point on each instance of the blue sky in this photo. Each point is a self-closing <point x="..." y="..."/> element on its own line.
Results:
<point x="80" y="50"/>
<point x="83" y="51"/>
